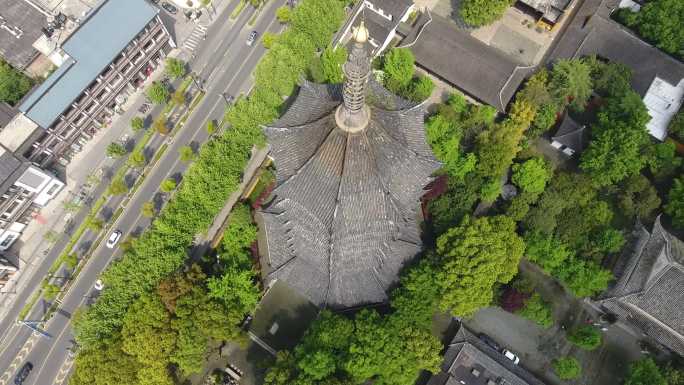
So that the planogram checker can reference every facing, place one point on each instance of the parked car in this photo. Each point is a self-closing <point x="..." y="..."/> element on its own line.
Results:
<point x="23" y="373"/>
<point x="511" y="356"/>
<point x="169" y="8"/>
<point x="489" y="341"/>
<point x="113" y="239"/>
<point x="252" y="38"/>
<point x="99" y="285"/>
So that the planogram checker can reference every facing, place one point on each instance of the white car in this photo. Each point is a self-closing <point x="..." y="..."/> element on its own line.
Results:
<point x="99" y="285"/>
<point x="511" y="356"/>
<point x="113" y="239"/>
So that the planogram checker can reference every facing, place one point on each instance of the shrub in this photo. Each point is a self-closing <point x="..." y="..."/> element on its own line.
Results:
<point x="137" y="123"/>
<point x="586" y="337"/>
<point x="115" y="150"/>
<point x="567" y="368"/>
<point x="175" y="68"/>
<point x="537" y="311"/>
<point x="158" y="93"/>
<point x="168" y="185"/>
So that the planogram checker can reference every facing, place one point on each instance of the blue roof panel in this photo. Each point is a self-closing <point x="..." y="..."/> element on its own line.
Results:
<point x="95" y="44"/>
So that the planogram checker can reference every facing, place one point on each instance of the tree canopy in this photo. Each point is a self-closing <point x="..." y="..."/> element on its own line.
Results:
<point x="175" y="68"/>
<point x="13" y="84"/>
<point x="483" y="12"/>
<point x="675" y="203"/>
<point x="158" y="93"/>
<point x="571" y="83"/>
<point x="645" y="372"/>
<point x="531" y="175"/>
<point x="476" y="255"/>
<point x="660" y="22"/>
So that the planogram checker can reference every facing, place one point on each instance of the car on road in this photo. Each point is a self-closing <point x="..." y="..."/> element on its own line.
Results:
<point x="489" y="341"/>
<point x="113" y="239"/>
<point x="99" y="285"/>
<point x="252" y="38"/>
<point x="23" y="373"/>
<point x="169" y="8"/>
<point x="511" y="356"/>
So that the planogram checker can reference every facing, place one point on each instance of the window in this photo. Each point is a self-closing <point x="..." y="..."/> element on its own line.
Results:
<point x="52" y="189"/>
<point x="10" y="238"/>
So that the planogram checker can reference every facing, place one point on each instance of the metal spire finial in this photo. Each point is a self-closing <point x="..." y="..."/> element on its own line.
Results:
<point x="354" y="114"/>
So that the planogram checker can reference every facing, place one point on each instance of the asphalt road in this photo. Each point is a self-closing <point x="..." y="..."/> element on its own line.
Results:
<point x="225" y="64"/>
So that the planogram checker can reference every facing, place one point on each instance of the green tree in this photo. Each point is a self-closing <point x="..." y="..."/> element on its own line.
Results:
<point x="160" y="126"/>
<point x="610" y="79"/>
<point x="158" y="93"/>
<point x="331" y="64"/>
<point x="137" y="159"/>
<point x="398" y="65"/>
<point x="168" y="185"/>
<point x="567" y="368"/>
<point x="531" y="175"/>
<point x="476" y="255"/>
<point x="645" y="372"/>
<point x="619" y="139"/>
<point x="105" y="366"/>
<point x="117" y="187"/>
<point x="236" y="288"/>
<point x="637" y="198"/>
<point x="584" y="278"/>
<point x="94" y="223"/>
<point x="71" y="206"/>
<point x="175" y="68"/>
<point x="675" y="203"/>
<point x="137" y="123"/>
<point x="497" y="147"/>
<point x="545" y="118"/>
<point x="211" y="127"/>
<point x="421" y="88"/>
<point x="676" y="127"/>
<point x="659" y="22"/>
<point x="178" y="97"/>
<point x="115" y="150"/>
<point x="148" y="210"/>
<point x="586" y="337"/>
<point x="186" y="154"/>
<point x="662" y="160"/>
<point x="284" y="14"/>
<point x="571" y="83"/>
<point x="51" y="236"/>
<point x="536" y="89"/>
<point x="268" y="39"/>
<point x="13" y="84"/>
<point x="483" y="12"/>
<point x="51" y="291"/>
<point x="546" y="251"/>
<point x="538" y="311"/>
<point x="240" y="234"/>
<point x="490" y="190"/>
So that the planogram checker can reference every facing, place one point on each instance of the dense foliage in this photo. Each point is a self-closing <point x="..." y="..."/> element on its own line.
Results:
<point x="538" y="311"/>
<point x="645" y="372"/>
<point x="175" y="68"/>
<point x="13" y="84"/>
<point x="586" y="337"/>
<point x="675" y="203"/>
<point x="398" y="66"/>
<point x="659" y="21"/>
<point x="567" y="368"/>
<point x="482" y="12"/>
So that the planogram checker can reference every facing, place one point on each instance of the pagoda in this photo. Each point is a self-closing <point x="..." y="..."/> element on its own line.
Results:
<point x="352" y="163"/>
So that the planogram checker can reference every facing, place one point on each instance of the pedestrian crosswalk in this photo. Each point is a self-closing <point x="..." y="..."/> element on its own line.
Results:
<point x="198" y="34"/>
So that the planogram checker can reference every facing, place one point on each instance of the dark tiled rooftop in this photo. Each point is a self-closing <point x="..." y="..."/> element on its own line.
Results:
<point x="481" y="71"/>
<point x="24" y="21"/>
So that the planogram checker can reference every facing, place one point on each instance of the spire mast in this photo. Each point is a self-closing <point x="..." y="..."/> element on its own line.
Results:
<point x="353" y="115"/>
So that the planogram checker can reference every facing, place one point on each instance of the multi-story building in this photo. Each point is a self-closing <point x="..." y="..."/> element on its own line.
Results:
<point x="108" y="56"/>
<point x="24" y="189"/>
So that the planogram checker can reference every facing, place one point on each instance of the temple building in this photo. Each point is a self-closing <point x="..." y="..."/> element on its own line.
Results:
<point x="648" y="295"/>
<point x="352" y="163"/>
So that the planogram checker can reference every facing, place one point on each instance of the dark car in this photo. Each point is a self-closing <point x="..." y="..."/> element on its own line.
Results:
<point x="23" y="373"/>
<point x="252" y="38"/>
<point x="169" y="8"/>
<point x="490" y="342"/>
